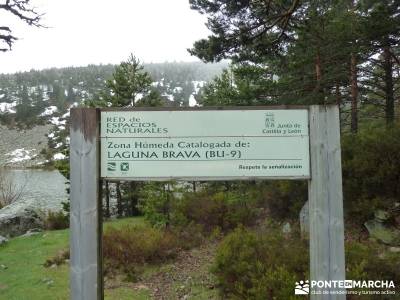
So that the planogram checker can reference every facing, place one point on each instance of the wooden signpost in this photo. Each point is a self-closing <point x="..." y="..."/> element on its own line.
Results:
<point x="205" y="144"/>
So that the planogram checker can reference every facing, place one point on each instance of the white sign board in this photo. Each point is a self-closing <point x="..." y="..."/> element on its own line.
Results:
<point x="205" y="144"/>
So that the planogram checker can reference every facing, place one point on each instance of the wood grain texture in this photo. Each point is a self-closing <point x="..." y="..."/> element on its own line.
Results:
<point x="327" y="260"/>
<point x="85" y="232"/>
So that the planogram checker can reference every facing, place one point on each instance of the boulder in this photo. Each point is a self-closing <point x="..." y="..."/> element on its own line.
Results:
<point x="31" y="232"/>
<point x="304" y="218"/>
<point x="394" y="249"/>
<point x="381" y="215"/>
<point x="19" y="222"/>
<point x="380" y="231"/>
<point x="3" y="240"/>
<point x="286" y="228"/>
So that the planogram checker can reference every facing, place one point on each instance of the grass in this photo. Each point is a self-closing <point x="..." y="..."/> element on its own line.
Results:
<point x="23" y="276"/>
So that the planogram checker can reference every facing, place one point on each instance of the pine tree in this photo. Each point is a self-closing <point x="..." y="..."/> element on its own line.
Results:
<point x="38" y="101"/>
<point x="23" y="108"/>
<point x="71" y="95"/>
<point x="57" y="96"/>
<point x="311" y="49"/>
<point x="129" y="82"/>
<point x="382" y="31"/>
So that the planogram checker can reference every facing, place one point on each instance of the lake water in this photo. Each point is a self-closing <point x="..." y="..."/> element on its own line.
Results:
<point x="43" y="190"/>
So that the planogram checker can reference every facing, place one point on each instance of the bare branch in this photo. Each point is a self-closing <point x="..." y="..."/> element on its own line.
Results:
<point x="25" y="12"/>
<point x="10" y="191"/>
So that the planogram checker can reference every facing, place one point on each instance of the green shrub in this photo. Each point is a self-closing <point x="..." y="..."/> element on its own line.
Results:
<point x="128" y="247"/>
<point x="208" y="208"/>
<point x="189" y="236"/>
<point x="371" y="174"/>
<point x="224" y="210"/>
<point x="59" y="259"/>
<point x="371" y="171"/>
<point x="285" y="198"/>
<point x="263" y="265"/>
<point x="56" y="220"/>
<point x="156" y="203"/>
<point x="370" y="260"/>
<point x="266" y="264"/>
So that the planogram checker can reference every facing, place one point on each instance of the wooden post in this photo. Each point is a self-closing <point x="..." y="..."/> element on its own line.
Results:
<point x="326" y="201"/>
<point x="86" y="280"/>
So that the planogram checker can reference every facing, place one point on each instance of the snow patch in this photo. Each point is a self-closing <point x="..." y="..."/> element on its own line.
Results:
<point x="168" y="96"/>
<point x="7" y="107"/>
<point x="198" y="85"/>
<point x="21" y="155"/>
<point x="178" y="89"/>
<point x="49" y="111"/>
<point x="192" y="101"/>
<point x="58" y="156"/>
<point x="66" y="115"/>
<point x="57" y="121"/>
<point x="138" y="97"/>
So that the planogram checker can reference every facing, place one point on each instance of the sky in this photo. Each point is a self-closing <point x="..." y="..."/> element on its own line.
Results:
<point x="82" y="32"/>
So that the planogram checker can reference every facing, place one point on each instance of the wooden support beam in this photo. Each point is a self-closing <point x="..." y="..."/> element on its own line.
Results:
<point x="327" y="260"/>
<point x="86" y="280"/>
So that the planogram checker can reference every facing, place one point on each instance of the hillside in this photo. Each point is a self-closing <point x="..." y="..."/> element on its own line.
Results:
<point x="43" y="98"/>
<point x="23" y="147"/>
<point x="29" y="93"/>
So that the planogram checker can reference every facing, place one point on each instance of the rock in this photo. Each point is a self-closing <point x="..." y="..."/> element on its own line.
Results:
<point x="18" y="222"/>
<point x="394" y="249"/>
<point x="3" y="267"/>
<point x="3" y="240"/>
<point x="32" y="232"/>
<point x="381" y="255"/>
<point x="286" y="228"/>
<point x="48" y="281"/>
<point x="381" y="215"/>
<point x="378" y="230"/>
<point x="141" y="287"/>
<point x="304" y="221"/>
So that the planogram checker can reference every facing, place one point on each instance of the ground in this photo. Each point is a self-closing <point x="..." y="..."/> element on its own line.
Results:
<point x="23" y="275"/>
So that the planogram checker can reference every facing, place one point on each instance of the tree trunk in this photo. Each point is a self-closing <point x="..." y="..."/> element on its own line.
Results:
<point x="338" y="95"/>
<point x="194" y="186"/>
<point x="318" y="77"/>
<point x="166" y="209"/>
<point x="389" y="86"/>
<point x="107" y="188"/>
<point x="354" y="93"/>
<point x="134" y="198"/>
<point x="119" y="200"/>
